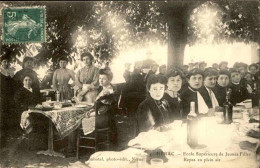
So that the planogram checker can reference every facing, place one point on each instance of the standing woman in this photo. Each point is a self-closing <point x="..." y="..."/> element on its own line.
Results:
<point x="6" y="97"/>
<point x="61" y="78"/>
<point x="28" y="65"/>
<point x="86" y="84"/>
<point x="174" y="84"/>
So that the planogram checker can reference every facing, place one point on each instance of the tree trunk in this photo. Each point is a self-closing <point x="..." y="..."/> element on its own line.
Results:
<point x="178" y="17"/>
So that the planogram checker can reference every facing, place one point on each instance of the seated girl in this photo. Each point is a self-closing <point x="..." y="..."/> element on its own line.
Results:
<point x="174" y="84"/>
<point x="104" y="102"/>
<point x="154" y="111"/>
<point x="25" y="97"/>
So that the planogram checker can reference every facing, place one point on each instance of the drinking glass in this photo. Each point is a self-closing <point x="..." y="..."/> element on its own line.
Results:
<point x="48" y="99"/>
<point x="156" y="162"/>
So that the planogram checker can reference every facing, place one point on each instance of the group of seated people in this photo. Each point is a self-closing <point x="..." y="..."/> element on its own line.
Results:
<point x="169" y="93"/>
<point x="162" y="97"/>
<point x="21" y="90"/>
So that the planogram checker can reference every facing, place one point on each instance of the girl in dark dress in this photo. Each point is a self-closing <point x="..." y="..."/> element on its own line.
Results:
<point x="154" y="111"/>
<point x="6" y="98"/>
<point x="221" y="87"/>
<point x="174" y="84"/>
<point x="25" y="97"/>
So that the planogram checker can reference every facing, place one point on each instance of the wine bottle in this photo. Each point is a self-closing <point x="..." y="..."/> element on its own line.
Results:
<point x="62" y="94"/>
<point x="228" y="108"/>
<point x="192" y="127"/>
<point x="255" y="97"/>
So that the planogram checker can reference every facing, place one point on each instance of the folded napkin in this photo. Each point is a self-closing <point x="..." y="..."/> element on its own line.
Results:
<point x="25" y="122"/>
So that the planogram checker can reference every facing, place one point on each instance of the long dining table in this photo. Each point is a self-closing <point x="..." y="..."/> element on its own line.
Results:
<point x="65" y="120"/>
<point x="225" y="145"/>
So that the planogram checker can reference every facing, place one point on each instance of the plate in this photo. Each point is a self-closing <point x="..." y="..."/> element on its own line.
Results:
<point x="81" y="105"/>
<point x="247" y="101"/>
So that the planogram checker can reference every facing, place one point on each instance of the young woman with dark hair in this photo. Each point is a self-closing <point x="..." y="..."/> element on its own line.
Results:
<point x="174" y="83"/>
<point x="154" y="111"/>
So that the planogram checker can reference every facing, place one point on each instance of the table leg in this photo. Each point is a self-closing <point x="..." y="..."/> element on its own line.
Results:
<point x="50" y="151"/>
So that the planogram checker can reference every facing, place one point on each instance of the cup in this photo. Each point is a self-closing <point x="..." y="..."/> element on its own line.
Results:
<point x="57" y="105"/>
<point x="48" y="99"/>
<point x="156" y="162"/>
<point x="219" y="117"/>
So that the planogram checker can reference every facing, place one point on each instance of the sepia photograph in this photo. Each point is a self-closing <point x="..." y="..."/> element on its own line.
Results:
<point x="130" y="84"/>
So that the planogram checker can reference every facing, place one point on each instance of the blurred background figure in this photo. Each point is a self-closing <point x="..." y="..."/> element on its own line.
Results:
<point x="152" y="71"/>
<point x="223" y="65"/>
<point x="195" y="65"/>
<point x="148" y="62"/>
<point x="191" y="66"/>
<point x="185" y="69"/>
<point x="202" y="65"/>
<point x="137" y="75"/>
<point x="46" y="82"/>
<point x="215" y="66"/>
<point x="127" y="73"/>
<point x="162" y="70"/>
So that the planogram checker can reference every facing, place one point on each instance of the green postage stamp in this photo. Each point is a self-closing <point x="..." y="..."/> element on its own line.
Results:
<point x="24" y="25"/>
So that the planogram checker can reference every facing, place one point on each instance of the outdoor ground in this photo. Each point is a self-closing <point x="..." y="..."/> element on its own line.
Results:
<point x="20" y="152"/>
<point x="17" y="155"/>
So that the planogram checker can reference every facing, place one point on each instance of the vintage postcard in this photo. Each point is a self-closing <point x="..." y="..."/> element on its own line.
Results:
<point x="129" y="84"/>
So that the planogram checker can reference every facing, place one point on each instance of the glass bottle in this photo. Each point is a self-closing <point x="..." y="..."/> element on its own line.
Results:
<point x="58" y="96"/>
<point x="192" y="127"/>
<point x="61" y="94"/>
<point x="64" y="94"/>
<point x="228" y="108"/>
<point x="255" y="98"/>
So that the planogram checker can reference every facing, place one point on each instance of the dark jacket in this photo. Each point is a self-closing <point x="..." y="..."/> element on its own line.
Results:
<point x="175" y="106"/>
<point x="24" y="98"/>
<point x="188" y="96"/>
<point x="7" y="86"/>
<point x="105" y="111"/>
<point x="149" y="110"/>
<point x="148" y="75"/>
<point x="127" y="76"/>
<point x="239" y="93"/>
<point x="205" y="94"/>
<point x="220" y="93"/>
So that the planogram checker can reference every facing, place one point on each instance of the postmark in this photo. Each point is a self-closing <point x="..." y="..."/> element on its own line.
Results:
<point x="24" y="25"/>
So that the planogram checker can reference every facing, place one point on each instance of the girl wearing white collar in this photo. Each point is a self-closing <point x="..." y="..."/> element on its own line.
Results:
<point x="192" y="94"/>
